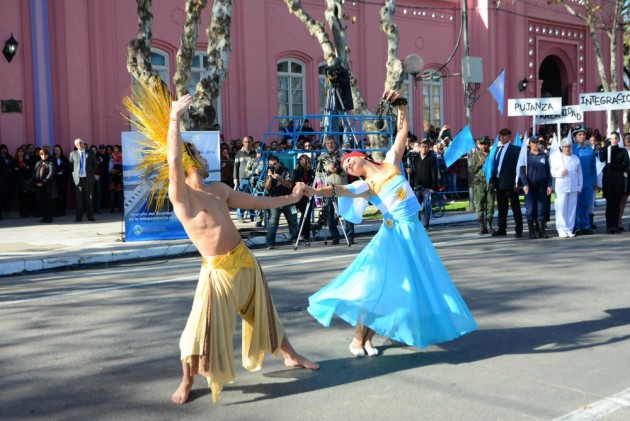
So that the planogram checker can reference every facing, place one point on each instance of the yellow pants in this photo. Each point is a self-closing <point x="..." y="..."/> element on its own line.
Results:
<point x="229" y="284"/>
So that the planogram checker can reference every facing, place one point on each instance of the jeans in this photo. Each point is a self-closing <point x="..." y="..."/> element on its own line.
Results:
<point x="245" y="187"/>
<point x="290" y="214"/>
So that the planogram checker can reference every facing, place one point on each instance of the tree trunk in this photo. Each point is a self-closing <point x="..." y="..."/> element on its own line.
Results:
<point x="139" y="49"/>
<point x="186" y="51"/>
<point x="393" y="79"/>
<point x="202" y="112"/>
<point x="598" y="17"/>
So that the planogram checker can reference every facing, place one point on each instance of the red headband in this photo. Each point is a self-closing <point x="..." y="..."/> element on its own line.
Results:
<point x="358" y="155"/>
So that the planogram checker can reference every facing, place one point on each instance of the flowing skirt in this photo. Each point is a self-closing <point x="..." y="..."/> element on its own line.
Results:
<point x="398" y="287"/>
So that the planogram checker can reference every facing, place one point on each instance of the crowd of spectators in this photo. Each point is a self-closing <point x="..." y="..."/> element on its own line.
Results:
<point x="38" y="181"/>
<point x="581" y="166"/>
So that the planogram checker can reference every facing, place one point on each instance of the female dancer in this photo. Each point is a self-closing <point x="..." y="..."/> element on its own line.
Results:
<point x="397" y="286"/>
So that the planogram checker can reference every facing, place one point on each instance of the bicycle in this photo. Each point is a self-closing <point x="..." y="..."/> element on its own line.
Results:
<point x="433" y="205"/>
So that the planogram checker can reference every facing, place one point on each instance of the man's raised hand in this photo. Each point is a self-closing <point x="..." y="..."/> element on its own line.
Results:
<point x="180" y="106"/>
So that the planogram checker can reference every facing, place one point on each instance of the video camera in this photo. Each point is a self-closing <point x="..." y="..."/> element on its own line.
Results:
<point x="339" y="78"/>
<point x="384" y="108"/>
<point x="334" y="70"/>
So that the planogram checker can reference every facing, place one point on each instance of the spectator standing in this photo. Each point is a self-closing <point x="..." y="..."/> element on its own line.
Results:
<point x="614" y="182"/>
<point x="83" y="164"/>
<point x="45" y="186"/>
<point x="62" y="174"/>
<point x="102" y="169"/>
<point x="6" y="179"/>
<point x="567" y="173"/>
<point x="116" y="180"/>
<point x="624" y="197"/>
<point x="586" y="155"/>
<point x="26" y="183"/>
<point x="304" y="173"/>
<point x="505" y="163"/>
<point x="483" y="190"/>
<point x="241" y="180"/>
<point x="227" y="167"/>
<point x="536" y="179"/>
<point x="336" y="176"/>
<point x="331" y="154"/>
<point x="279" y="183"/>
<point x="425" y="176"/>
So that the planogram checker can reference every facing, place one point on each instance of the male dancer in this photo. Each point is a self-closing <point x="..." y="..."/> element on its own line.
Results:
<point x="230" y="280"/>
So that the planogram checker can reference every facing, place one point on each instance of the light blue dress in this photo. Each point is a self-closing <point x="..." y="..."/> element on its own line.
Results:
<point x="397" y="285"/>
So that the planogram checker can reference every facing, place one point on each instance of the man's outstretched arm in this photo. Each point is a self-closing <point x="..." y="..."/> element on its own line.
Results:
<point x="176" y="175"/>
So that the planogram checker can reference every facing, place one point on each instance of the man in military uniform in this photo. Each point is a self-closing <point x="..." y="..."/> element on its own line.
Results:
<point x="483" y="191"/>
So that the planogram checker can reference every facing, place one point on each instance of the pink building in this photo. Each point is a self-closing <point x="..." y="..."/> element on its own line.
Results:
<point x="69" y="73"/>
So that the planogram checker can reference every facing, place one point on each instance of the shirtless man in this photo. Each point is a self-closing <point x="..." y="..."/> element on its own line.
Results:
<point x="230" y="281"/>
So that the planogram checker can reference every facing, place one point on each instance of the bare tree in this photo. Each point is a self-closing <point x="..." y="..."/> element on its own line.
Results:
<point x="602" y="17"/>
<point x="202" y="113"/>
<point x="335" y="18"/>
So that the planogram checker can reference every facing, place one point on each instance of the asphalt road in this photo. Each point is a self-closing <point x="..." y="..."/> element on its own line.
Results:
<point x="554" y="316"/>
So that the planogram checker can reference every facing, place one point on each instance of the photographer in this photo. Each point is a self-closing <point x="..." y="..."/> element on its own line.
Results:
<point x="336" y="176"/>
<point x="279" y="183"/>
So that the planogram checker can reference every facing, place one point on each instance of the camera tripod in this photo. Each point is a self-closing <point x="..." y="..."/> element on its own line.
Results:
<point x="322" y="218"/>
<point x="333" y="111"/>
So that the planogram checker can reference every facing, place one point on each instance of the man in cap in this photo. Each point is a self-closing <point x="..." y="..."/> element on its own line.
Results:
<point x="483" y="190"/>
<point x="536" y="179"/>
<point x="586" y="156"/>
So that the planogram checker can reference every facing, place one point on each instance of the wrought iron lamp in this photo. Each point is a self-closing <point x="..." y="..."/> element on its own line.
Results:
<point x="522" y="85"/>
<point x="10" y="48"/>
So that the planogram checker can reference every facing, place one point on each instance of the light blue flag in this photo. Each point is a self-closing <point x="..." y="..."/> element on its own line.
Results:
<point x="497" y="90"/>
<point x="488" y="166"/>
<point x="518" y="141"/>
<point x="460" y="145"/>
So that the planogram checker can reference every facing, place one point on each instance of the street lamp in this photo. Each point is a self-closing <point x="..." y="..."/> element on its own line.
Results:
<point x="413" y="64"/>
<point x="10" y="48"/>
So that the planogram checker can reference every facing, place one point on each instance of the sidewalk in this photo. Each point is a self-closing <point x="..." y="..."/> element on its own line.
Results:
<point x="26" y="245"/>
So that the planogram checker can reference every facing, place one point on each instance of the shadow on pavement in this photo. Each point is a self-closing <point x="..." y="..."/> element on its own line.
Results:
<point x="478" y="345"/>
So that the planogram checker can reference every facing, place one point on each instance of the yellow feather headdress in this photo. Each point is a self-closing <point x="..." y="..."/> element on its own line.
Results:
<point x="148" y="109"/>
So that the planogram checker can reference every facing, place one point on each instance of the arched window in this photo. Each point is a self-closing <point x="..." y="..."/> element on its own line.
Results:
<point x="432" y="100"/>
<point x="291" y="92"/>
<point x="159" y="62"/>
<point x="198" y="71"/>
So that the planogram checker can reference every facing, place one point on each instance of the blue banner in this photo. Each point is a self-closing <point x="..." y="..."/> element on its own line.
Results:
<point x="142" y="223"/>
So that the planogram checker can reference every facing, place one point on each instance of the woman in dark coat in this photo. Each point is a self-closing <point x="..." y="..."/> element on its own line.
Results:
<point x="44" y="175"/>
<point x="25" y="185"/>
<point x="62" y="175"/>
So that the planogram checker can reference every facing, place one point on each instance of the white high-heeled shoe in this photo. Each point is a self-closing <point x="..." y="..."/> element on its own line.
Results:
<point x="371" y="352"/>
<point x="357" y="352"/>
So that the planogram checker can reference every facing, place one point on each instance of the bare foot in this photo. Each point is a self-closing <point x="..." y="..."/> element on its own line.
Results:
<point x="296" y="360"/>
<point x="292" y="358"/>
<point x="180" y="396"/>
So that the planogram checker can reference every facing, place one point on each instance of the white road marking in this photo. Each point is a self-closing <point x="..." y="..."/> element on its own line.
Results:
<point x="600" y="408"/>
